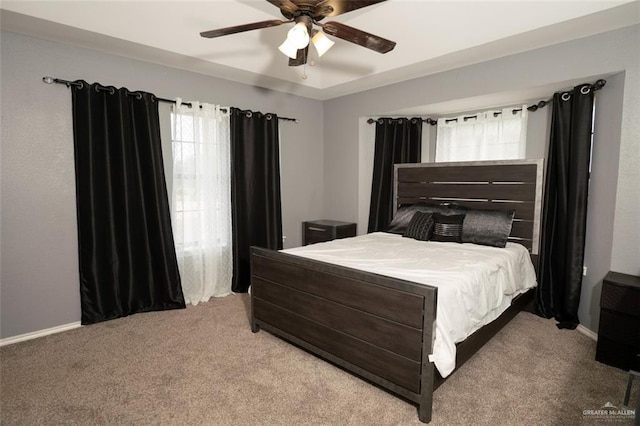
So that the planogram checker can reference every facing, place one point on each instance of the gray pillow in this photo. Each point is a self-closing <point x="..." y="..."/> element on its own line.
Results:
<point x="487" y="227"/>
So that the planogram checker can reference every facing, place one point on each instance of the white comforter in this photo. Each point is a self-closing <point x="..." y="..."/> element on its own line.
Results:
<point x="475" y="283"/>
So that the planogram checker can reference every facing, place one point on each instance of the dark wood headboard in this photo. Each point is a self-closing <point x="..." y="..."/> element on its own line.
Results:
<point x="509" y="184"/>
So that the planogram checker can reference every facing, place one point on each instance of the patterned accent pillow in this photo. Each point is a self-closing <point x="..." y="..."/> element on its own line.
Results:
<point x="447" y="228"/>
<point x="420" y="227"/>
<point x="487" y="227"/>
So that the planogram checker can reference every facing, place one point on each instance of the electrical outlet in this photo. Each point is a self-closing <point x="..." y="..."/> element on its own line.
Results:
<point x="584" y="271"/>
<point x="284" y="238"/>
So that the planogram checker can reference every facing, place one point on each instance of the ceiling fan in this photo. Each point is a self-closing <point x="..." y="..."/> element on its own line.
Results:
<point x="305" y="14"/>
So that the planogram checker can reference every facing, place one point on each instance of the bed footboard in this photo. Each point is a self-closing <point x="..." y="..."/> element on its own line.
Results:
<point x="377" y="327"/>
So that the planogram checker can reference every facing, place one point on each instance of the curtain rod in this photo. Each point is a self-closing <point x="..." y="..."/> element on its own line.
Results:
<point x="495" y="114"/>
<point x="52" y="80"/>
<point x="424" y="120"/>
<point x="599" y="84"/>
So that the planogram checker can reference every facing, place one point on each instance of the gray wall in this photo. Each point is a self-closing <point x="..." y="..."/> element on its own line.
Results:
<point x="39" y="272"/>
<point x="613" y="234"/>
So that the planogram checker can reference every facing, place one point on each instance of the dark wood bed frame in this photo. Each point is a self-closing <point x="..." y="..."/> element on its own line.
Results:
<point x="382" y="328"/>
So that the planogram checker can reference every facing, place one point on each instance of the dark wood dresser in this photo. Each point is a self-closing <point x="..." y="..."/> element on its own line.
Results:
<point x="316" y="231"/>
<point x="619" y="329"/>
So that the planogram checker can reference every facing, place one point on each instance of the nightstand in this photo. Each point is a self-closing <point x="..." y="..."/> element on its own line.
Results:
<point x="316" y="231"/>
<point x="619" y="328"/>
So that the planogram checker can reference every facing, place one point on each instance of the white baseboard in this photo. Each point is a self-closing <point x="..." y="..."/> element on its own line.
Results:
<point x="53" y="330"/>
<point x="39" y="333"/>
<point x="584" y="330"/>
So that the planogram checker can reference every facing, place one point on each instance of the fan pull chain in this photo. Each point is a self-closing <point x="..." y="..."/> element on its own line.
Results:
<point x="304" y="72"/>
<point x="304" y="69"/>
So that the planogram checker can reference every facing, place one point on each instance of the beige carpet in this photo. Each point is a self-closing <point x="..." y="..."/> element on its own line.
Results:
<point x="203" y="366"/>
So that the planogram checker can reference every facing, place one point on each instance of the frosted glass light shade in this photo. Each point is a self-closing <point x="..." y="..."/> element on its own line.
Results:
<point x="322" y="43"/>
<point x="298" y="36"/>
<point x="288" y="49"/>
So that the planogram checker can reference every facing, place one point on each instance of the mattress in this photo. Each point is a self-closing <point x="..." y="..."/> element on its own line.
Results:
<point x="475" y="283"/>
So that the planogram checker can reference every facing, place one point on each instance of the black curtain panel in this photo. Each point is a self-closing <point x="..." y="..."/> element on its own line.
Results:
<point x="565" y="206"/>
<point x="255" y="189"/>
<point x="398" y="140"/>
<point x="126" y="251"/>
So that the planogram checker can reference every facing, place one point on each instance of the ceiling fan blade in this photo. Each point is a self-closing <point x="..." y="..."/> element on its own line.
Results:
<point x="301" y="58"/>
<point x="359" y="37"/>
<point x="337" y="7"/>
<point x="241" y="28"/>
<point x="286" y="6"/>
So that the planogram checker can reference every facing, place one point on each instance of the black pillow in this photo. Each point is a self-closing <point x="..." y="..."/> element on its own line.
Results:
<point x="452" y="208"/>
<point x="447" y="228"/>
<point x="404" y="214"/>
<point x="487" y="227"/>
<point x="420" y="226"/>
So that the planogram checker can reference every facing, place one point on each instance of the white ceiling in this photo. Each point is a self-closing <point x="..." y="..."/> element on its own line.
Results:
<point x="431" y="36"/>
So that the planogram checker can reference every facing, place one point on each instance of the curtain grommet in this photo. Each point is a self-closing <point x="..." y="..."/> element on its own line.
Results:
<point x="566" y="96"/>
<point x="585" y="90"/>
<point x="138" y="95"/>
<point x="112" y="90"/>
<point x="248" y="114"/>
<point x="268" y="116"/>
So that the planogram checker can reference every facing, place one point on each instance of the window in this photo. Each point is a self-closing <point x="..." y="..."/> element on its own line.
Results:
<point x="201" y="177"/>
<point x="488" y="135"/>
<point x="201" y="200"/>
<point x="184" y="200"/>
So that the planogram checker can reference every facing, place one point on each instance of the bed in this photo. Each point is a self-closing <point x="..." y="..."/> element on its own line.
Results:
<point x="383" y="328"/>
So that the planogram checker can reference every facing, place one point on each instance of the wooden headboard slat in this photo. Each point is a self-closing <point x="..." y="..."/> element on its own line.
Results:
<point x="469" y="173"/>
<point x="490" y="191"/>
<point x="522" y="229"/>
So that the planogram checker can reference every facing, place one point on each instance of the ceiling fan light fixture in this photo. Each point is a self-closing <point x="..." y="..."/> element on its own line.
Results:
<point x="298" y="36"/>
<point x="288" y="49"/>
<point x="305" y="14"/>
<point x="322" y="42"/>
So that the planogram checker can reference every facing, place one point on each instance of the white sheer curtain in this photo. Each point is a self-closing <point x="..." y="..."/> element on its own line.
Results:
<point x="488" y="135"/>
<point x="201" y="200"/>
